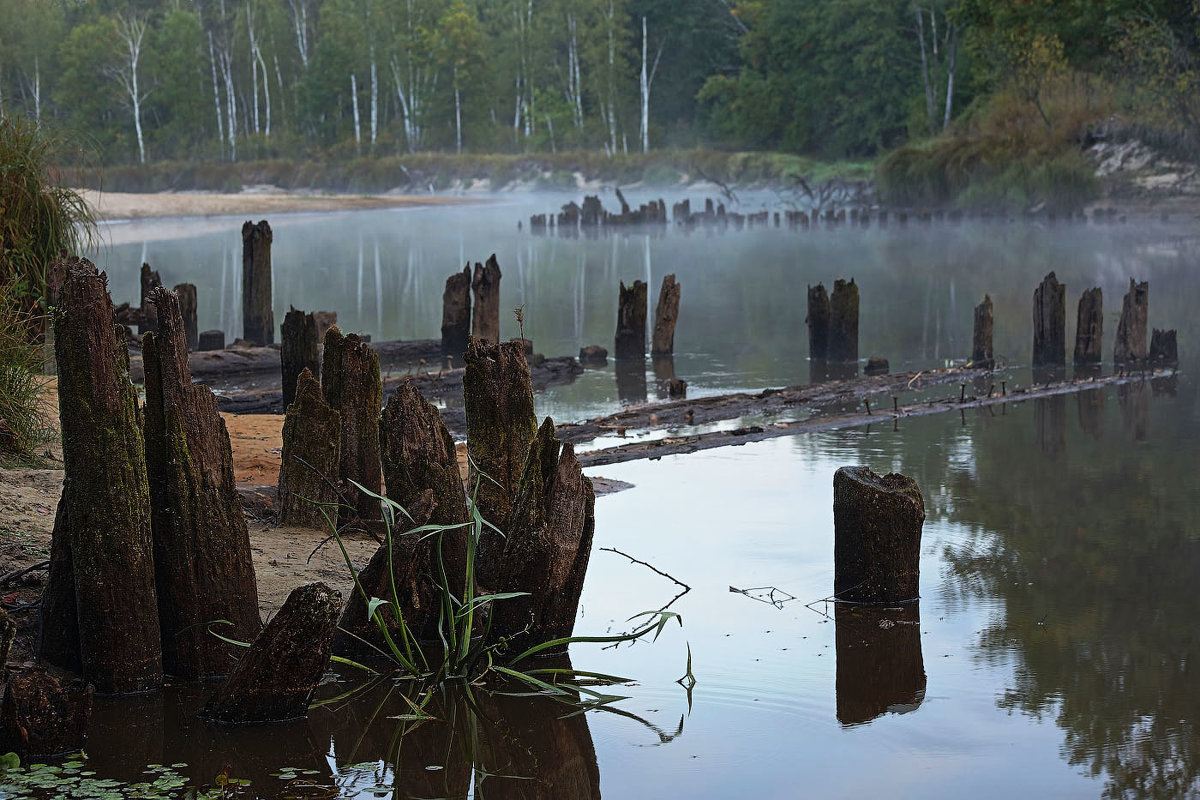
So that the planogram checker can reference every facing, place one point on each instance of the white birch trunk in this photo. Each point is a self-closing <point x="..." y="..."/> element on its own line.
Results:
<point x="253" y="41"/>
<point x="457" y="114"/>
<point x="374" y="100"/>
<point x="212" y="58"/>
<point x="354" y="103"/>
<point x="131" y="31"/>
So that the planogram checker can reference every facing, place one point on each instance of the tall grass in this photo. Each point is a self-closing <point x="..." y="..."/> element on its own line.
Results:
<point x="22" y="422"/>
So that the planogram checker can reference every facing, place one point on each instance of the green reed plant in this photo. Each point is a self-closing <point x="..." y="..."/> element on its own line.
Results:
<point x="23" y="424"/>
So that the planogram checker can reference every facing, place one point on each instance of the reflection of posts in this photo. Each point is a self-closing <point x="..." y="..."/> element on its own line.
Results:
<point x="1090" y="405"/>
<point x="880" y="668"/>
<point x="1050" y="422"/>
<point x="631" y="381"/>
<point x="1134" y="400"/>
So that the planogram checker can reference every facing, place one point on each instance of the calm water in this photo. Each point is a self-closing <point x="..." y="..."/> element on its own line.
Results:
<point x="1053" y="648"/>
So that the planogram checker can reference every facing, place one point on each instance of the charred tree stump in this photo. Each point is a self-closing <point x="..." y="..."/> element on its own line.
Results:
<point x="202" y="563"/>
<point x="1164" y="350"/>
<point x="102" y="550"/>
<point x="258" y="318"/>
<point x="186" y="292"/>
<point x="276" y="677"/>
<point x="818" y="323"/>
<point x="843" y="321"/>
<point x="485" y="316"/>
<point x="311" y="462"/>
<point x="880" y="667"/>
<point x="665" y="316"/>
<point x="981" y="345"/>
<point x="498" y="400"/>
<point x="43" y="716"/>
<point x="1130" y="347"/>
<point x="1050" y="323"/>
<point x="548" y="546"/>
<point x="212" y="340"/>
<point x="300" y="350"/>
<point x="877" y="536"/>
<point x="631" y="322"/>
<point x="150" y="280"/>
<point x="456" y="314"/>
<point x="1089" y="328"/>
<point x="353" y="388"/>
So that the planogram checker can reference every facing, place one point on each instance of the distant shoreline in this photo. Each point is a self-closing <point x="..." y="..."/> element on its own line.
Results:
<point x="118" y="206"/>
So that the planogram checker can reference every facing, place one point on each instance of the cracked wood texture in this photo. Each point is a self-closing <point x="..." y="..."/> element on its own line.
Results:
<point x="311" y="459"/>
<point x="352" y="386"/>
<point x="258" y="318"/>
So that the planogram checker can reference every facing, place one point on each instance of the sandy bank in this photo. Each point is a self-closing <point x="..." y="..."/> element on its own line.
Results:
<point x="111" y="206"/>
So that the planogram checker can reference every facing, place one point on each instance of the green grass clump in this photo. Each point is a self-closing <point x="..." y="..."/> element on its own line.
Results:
<point x="22" y="420"/>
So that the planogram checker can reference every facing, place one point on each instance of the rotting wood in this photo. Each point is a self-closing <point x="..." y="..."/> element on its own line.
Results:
<point x="202" y="563"/>
<point x="1089" y="327"/>
<point x="877" y="522"/>
<point x="1130" y="346"/>
<point x="351" y="384"/>
<point x="1050" y="323"/>
<point x="485" y="312"/>
<point x="149" y="280"/>
<point x="300" y="350"/>
<point x="311" y="459"/>
<point x="666" y="314"/>
<point x="843" y="321"/>
<point x="630" y="341"/>
<point x="43" y="715"/>
<point x="456" y="314"/>
<point x="981" y="338"/>
<point x="258" y="318"/>
<point x="210" y="340"/>
<point x="186" y="292"/>
<point x="1164" y="350"/>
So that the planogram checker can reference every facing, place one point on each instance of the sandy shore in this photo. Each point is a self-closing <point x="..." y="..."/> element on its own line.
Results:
<point x="111" y="206"/>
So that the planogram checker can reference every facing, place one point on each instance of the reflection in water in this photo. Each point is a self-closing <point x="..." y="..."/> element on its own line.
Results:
<point x="631" y="380"/>
<point x="1134" y="400"/>
<point x="1050" y="422"/>
<point x="1090" y="405"/>
<point x="820" y="371"/>
<point x="666" y="384"/>
<point x="879" y="663"/>
<point x="1043" y="375"/>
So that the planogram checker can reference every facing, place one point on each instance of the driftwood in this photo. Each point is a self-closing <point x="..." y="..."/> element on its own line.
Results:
<point x="877" y="524"/>
<point x="300" y="350"/>
<point x="44" y="716"/>
<point x="665" y="317"/>
<point x="258" y="318"/>
<point x="485" y="314"/>
<point x="202" y="562"/>
<point x="1130" y="346"/>
<point x="1050" y="323"/>
<point x="351" y="385"/>
<point x="1089" y="327"/>
<point x="631" y="322"/>
<point x="981" y="339"/>
<point x="456" y="314"/>
<point x="311" y="459"/>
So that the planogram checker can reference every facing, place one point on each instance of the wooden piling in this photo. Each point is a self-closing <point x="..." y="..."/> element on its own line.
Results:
<point x="456" y="314"/>
<point x="630" y="340"/>
<point x="352" y="386"/>
<point x="1130" y="347"/>
<point x="186" y="292"/>
<point x="877" y="536"/>
<point x="149" y="280"/>
<point x="300" y="350"/>
<point x="311" y="459"/>
<point x="1089" y="328"/>
<point x="665" y="316"/>
<point x="43" y="715"/>
<point x="212" y="340"/>
<point x="1050" y="323"/>
<point x="818" y="323"/>
<point x="258" y="318"/>
<point x="485" y="316"/>
<point x="843" y="321"/>
<point x="981" y="339"/>
<point x="1164" y="351"/>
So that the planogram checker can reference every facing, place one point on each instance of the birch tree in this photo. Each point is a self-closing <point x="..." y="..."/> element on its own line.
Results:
<point x="939" y="56"/>
<point x="647" y="81"/>
<point x="131" y="30"/>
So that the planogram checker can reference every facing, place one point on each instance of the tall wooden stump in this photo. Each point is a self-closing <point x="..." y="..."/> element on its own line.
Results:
<point x="43" y="716"/>
<point x="100" y="612"/>
<point x="877" y="536"/>
<point x="818" y="323"/>
<point x="456" y="314"/>
<point x="311" y="461"/>
<point x="1164" y="350"/>
<point x="498" y="400"/>
<point x="352" y="386"/>
<point x="880" y="668"/>
<point x="665" y="316"/>
<point x="276" y="677"/>
<point x="258" y="318"/>
<point x="548" y="546"/>
<point x="202" y="561"/>
<point x="843" y="321"/>
<point x="1050" y="323"/>
<point x="186" y="292"/>
<point x="485" y="317"/>
<point x="1089" y="328"/>
<point x="149" y="280"/>
<point x="631" y="322"/>
<point x="981" y="340"/>
<point x="1130" y="347"/>
<point x="300" y="350"/>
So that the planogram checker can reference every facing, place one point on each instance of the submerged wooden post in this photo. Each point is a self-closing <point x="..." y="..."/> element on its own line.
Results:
<point x="311" y="460"/>
<point x="818" y="323"/>
<point x="877" y="536"/>
<point x="1130" y="347"/>
<point x="485" y="316"/>
<point x="1164" y="350"/>
<point x="631" y="322"/>
<point x="352" y="386"/>
<point x="1089" y="328"/>
<point x="149" y="280"/>
<point x="44" y="716"/>
<point x="456" y="314"/>
<point x="258" y="318"/>
<point x="100" y="609"/>
<point x="665" y="316"/>
<point x="202" y="563"/>
<point x="843" y="321"/>
<point x="186" y="292"/>
<point x="1050" y="323"/>
<point x="300" y="350"/>
<point x="981" y="339"/>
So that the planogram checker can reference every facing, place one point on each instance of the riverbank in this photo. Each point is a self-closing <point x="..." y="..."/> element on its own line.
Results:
<point x="114" y="206"/>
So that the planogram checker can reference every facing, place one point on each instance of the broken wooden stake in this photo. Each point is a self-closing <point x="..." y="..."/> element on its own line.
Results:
<point x="981" y="338"/>
<point x="485" y="316"/>
<point x="1164" y="351"/>
<point x="300" y="350"/>
<point x="1089" y="328"/>
<point x="843" y="321"/>
<point x="311" y="459"/>
<point x="456" y="314"/>
<point x="818" y="323"/>
<point x="352" y="386"/>
<point x="665" y="317"/>
<point x="877" y="536"/>
<point x="631" y="322"/>
<point x="186" y="292"/>
<point x="1050" y="323"/>
<point x="258" y="318"/>
<point x="212" y="340"/>
<point x="1130" y="346"/>
<point x="149" y="281"/>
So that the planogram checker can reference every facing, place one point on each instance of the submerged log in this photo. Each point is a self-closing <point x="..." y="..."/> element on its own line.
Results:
<point x="593" y="355"/>
<point x="1130" y="347"/>
<point x="43" y="716"/>
<point x="818" y="323"/>
<point x="186" y="292"/>
<point x="202" y="563"/>
<point x="501" y="424"/>
<point x="981" y="340"/>
<point x="258" y="318"/>
<point x="548" y="546"/>
<point x="352" y="387"/>
<point x="456" y="314"/>
<point x="877" y="536"/>
<point x="149" y="280"/>
<point x="1089" y="328"/>
<point x="311" y="459"/>
<point x="631" y="322"/>
<point x="1164" y="351"/>
<point x="1050" y="323"/>
<point x="276" y="677"/>
<point x="880" y="668"/>
<point x="485" y="285"/>
<point x="665" y="316"/>
<point x="300" y="350"/>
<point x="843" y="321"/>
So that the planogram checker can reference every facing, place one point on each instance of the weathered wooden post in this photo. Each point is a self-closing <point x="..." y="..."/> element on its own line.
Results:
<point x="981" y="339"/>
<point x="300" y="350"/>
<point x="202" y="561"/>
<point x="100" y="609"/>
<point x="1164" y="350"/>
<point x="44" y="716"/>
<point x="843" y="321"/>
<point x="818" y="323"/>
<point x="1130" y="347"/>
<point x="258" y="318"/>
<point x="212" y="340"/>
<point x="456" y="314"/>
<point x="631" y="322"/>
<point x="311" y="461"/>
<point x="485" y="316"/>
<point x="1089" y="328"/>
<point x="498" y="399"/>
<point x="352" y="386"/>
<point x="149" y="280"/>
<point x="877" y="536"/>
<point x="1050" y="323"/>
<point x="186" y="292"/>
<point x="880" y="667"/>
<point x="665" y="316"/>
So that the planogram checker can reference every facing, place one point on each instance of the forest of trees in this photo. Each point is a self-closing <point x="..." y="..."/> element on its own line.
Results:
<point x="147" y="80"/>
